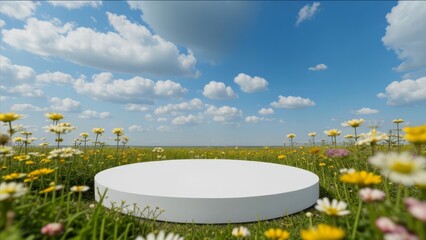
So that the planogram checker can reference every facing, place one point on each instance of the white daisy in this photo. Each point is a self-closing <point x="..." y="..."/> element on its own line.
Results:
<point x="11" y="190"/>
<point x="335" y="208"/>
<point x="161" y="236"/>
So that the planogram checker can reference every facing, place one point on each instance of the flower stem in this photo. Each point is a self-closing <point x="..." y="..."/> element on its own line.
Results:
<point x="358" y="213"/>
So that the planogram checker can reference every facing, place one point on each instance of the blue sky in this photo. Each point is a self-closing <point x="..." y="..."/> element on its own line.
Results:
<point x="213" y="73"/>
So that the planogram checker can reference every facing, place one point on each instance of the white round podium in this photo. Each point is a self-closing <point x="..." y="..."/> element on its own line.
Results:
<point x="208" y="191"/>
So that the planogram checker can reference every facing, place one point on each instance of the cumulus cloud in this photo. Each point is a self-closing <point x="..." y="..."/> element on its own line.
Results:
<point x="319" y="67"/>
<point x="2" y="23"/>
<point x="27" y="90"/>
<point x="91" y="114"/>
<point x="130" y="48"/>
<point x="54" y="77"/>
<point x="136" y="128"/>
<point x="149" y="117"/>
<point x="292" y="102"/>
<point x="266" y="111"/>
<point x="136" y="108"/>
<point x="307" y="12"/>
<point x="164" y="128"/>
<point x="218" y="91"/>
<point x="76" y="4"/>
<point x="253" y="119"/>
<point x="187" y="120"/>
<point x="210" y="28"/>
<point x="192" y="105"/>
<point x="136" y="90"/>
<point x="26" y="107"/>
<point x="405" y="92"/>
<point x="405" y="34"/>
<point x="64" y="105"/>
<point x="366" y="111"/>
<point x="224" y="114"/>
<point x="18" y="9"/>
<point x="250" y="84"/>
<point x="11" y="73"/>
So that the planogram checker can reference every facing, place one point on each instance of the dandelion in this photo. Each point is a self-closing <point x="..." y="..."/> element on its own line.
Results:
<point x="52" y="187"/>
<point x="240" y="232"/>
<point x="281" y="157"/>
<point x="333" y="133"/>
<point x="322" y="232"/>
<point x="371" y="195"/>
<point x="291" y="136"/>
<point x="277" y="233"/>
<point x="416" y="135"/>
<point x="401" y="168"/>
<point x="314" y="150"/>
<point x="52" y="229"/>
<point x="40" y="172"/>
<point x="161" y="236"/>
<point x="335" y="208"/>
<point x="11" y="190"/>
<point x="362" y="178"/>
<point x="416" y="208"/>
<point x="118" y="132"/>
<point x="354" y="123"/>
<point x="14" y="176"/>
<point x="79" y="188"/>
<point x="9" y="118"/>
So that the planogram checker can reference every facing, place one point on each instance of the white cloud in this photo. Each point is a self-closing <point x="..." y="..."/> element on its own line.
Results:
<point x="210" y="28"/>
<point x="76" y="4"/>
<point x="2" y="23"/>
<point x="136" y="128"/>
<point x="27" y="90"/>
<point x="405" y="92"/>
<point x="307" y="12"/>
<point x="149" y="117"/>
<point x="318" y="67"/>
<point x="135" y="90"/>
<point x="18" y="9"/>
<point x="250" y="84"/>
<point x="194" y="104"/>
<point x="11" y="73"/>
<point x="187" y="120"/>
<point x="64" y="105"/>
<point x="131" y="48"/>
<point x="224" y="114"/>
<point x="218" y="91"/>
<point x="91" y="114"/>
<point x="55" y="77"/>
<point x="26" y="107"/>
<point x="253" y="119"/>
<point x="164" y="128"/>
<point x="136" y="108"/>
<point x="405" y="34"/>
<point x="162" y="119"/>
<point x="292" y="102"/>
<point x="266" y="111"/>
<point x="366" y="111"/>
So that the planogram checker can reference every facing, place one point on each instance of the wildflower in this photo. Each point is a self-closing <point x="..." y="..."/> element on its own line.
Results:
<point x="322" y="164"/>
<point x="51" y="188"/>
<point x="17" y="139"/>
<point x="345" y="170"/>
<point x="9" y="117"/>
<point x="14" y="176"/>
<point x="54" y="116"/>
<point x="21" y="157"/>
<point x="277" y="233"/>
<point x="161" y="236"/>
<point x="373" y="137"/>
<point x="398" y="120"/>
<point x="240" y="232"/>
<point x="392" y="230"/>
<point x="333" y="132"/>
<point x="309" y="214"/>
<point x="98" y="130"/>
<point x="314" y="150"/>
<point x="79" y="188"/>
<point x="158" y="150"/>
<point x="291" y="135"/>
<point x="416" y="208"/>
<point x="323" y="231"/>
<point x="371" y="195"/>
<point x="401" y="168"/>
<point x="44" y="144"/>
<point x="84" y="135"/>
<point x="60" y="128"/>
<point x="11" y="190"/>
<point x="64" y="153"/>
<point x="415" y="135"/>
<point x="362" y="178"/>
<point x="353" y="123"/>
<point x="281" y="157"/>
<point x="349" y="136"/>
<point x="39" y="172"/>
<point x="335" y="208"/>
<point x="118" y="131"/>
<point x="52" y="229"/>
<point x="312" y="134"/>
<point x="6" y="151"/>
<point x="337" y="152"/>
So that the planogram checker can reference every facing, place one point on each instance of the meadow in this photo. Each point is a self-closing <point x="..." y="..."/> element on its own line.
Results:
<point x="372" y="186"/>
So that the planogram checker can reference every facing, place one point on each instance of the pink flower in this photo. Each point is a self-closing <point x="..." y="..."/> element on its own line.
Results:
<point x="52" y="229"/>
<point x="416" y="208"/>
<point x="337" y="152"/>
<point x="371" y="195"/>
<point x="388" y="226"/>
<point x="400" y="236"/>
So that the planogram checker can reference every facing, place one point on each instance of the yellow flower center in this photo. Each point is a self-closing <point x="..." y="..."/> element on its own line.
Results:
<point x="402" y="167"/>
<point x="332" y="211"/>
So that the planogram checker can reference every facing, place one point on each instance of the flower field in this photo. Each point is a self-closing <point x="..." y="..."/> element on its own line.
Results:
<point x="372" y="185"/>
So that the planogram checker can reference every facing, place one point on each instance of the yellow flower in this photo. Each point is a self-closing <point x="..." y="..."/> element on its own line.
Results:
<point x="11" y="190"/>
<point x="353" y="123"/>
<point x="53" y="187"/>
<point x="79" y="188"/>
<point x="98" y="130"/>
<point x="277" y="233"/>
<point x="29" y="162"/>
<point x="118" y="131"/>
<point x="398" y="120"/>
<point x="323" y="232"/>
<point x="84" y="135"/>
<point x="291" y="135"/>
<point x="332" y="132"/>
<point x="314" y="150"/>
<point x="9" y="117"/>
<point x="322" y="164"/>
<point x="14" y="176"/>
<point x="54" y="116"/>
<point x="39" y="172"/>
<point x="281" y="157"/>
<point x="415" y="135"/>
<point x="362" y="178"/>
<point x="21" y="157"/>
<point x="312" y="134"/>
